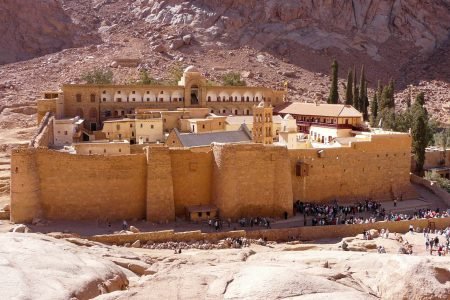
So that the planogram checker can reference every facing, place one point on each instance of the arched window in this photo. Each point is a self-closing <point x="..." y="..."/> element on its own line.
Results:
<point x="209" y="98"/>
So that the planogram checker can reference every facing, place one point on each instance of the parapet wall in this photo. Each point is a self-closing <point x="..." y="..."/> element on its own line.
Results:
<point x="433" y="187"/>
<point x="44" y="133"/>
<point x="280" y="235"/>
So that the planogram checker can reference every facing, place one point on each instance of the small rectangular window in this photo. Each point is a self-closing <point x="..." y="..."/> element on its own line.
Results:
<point x="65" y="132"/>
<point x="151" y="126"/>
<point x="78" y="97"/>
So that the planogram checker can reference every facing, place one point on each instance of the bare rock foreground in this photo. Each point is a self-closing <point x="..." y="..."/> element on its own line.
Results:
<point x="36" y="266"/>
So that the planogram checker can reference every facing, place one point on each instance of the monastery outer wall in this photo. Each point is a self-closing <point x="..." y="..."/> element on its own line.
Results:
<point x="251" y="180"/>
<point x="378" y="169"/>
<point x="25" y="186"/>
<point x="45" y="137"/>
<point x="436" y="158"/>
<point x="76" y="187"/>
<point x="159" y="198"/>
<point x="192" y="178"/>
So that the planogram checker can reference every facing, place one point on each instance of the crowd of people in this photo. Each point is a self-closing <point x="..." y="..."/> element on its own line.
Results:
<point x="217" y="223"/>
<point x="358" y="213"/>
<point x="334" y="214"/>
<point x="258" y="221"/>
<point x="440" y="246"/>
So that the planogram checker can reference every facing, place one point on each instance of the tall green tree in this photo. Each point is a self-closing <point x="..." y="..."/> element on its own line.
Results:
<point x="334" y="93"/>
<point x="374" y="110"/>
<point x="384" y="101"/>
<point x="391" y="94"/>
<point x="420" y="131"/>
<point x="355" y="90"/>
<point x="364" y="102"/>
<point x="349" y="88"/>
<point x="379" y="92"/>
<point x="408" y="98"/>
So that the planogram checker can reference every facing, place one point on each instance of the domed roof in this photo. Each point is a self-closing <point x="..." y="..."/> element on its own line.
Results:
<point x="191" y="69"/>
<point x="261" y="104"/>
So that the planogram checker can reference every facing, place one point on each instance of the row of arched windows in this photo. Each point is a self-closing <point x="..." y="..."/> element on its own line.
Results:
<point x="234" y="99"/>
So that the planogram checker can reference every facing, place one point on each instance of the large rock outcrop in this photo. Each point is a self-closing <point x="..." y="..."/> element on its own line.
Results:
<point x="319" y="24"/>
<point x="35" y="28"/>
<point x="36" y="266"/>
<point x="310" y="274"/>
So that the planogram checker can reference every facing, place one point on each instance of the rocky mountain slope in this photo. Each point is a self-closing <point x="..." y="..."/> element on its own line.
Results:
<point x="37" y="28"/>
<point x="272" y="41"/>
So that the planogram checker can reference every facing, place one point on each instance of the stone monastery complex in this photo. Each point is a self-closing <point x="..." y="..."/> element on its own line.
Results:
<point x="194" y="151"/>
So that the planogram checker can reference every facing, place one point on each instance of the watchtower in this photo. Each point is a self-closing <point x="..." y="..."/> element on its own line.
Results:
<point x="262" y="123"/>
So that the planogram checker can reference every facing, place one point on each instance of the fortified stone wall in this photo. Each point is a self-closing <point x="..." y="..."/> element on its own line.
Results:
<point x="437" y="158"/>
<point x="192" y="178"/>
<point x="240" y="179"/>
<point x="251" y="180"/>
<point x="378" y="169"/>
<point x="160" y="199"/>
<point x="45" y="137"/>
<point x="75" y="187"/>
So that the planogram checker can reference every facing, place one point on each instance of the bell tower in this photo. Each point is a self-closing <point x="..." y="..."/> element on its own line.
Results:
<point x="262" y="123"/>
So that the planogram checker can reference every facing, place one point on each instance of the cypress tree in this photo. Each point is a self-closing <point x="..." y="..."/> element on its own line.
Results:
<point x="384" y="102"/>
<point x="334" y="94"/>
<point x="365" y="103"/>
<point x="379" y="92"/>
<point x="391" y="99"/>
<point x="362" y="90"/>
<point x="420" y="132"/>
<point x="349" y="90"/>
<point x="355" y="89"/>
<point x="374" y="110"/>
<point x="408" y="98"/>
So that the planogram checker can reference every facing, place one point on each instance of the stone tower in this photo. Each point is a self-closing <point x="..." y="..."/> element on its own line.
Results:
<point x="262" y="123"/>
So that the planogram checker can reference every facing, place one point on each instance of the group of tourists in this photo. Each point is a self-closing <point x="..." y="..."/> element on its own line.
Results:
<point x="420" y="214"/>
<point x="258" y="221"/>
<point x="334" y="214"/>
<point x="359" y="213"/>
<point x="440" y="246"/>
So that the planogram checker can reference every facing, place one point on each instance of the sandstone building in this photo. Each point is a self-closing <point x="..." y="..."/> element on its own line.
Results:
<point x="202" y="170"/>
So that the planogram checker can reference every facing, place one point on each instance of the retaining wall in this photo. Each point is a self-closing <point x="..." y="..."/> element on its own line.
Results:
<point x="280" y="235"/>
<point x="433" y="187"/>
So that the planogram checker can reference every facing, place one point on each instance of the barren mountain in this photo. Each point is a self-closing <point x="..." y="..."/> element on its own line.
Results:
<point x="36" y="28"/>
<point x="273" y="41"/>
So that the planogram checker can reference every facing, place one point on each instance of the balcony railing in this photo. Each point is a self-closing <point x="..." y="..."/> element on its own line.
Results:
<point x="320" y="124"/>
